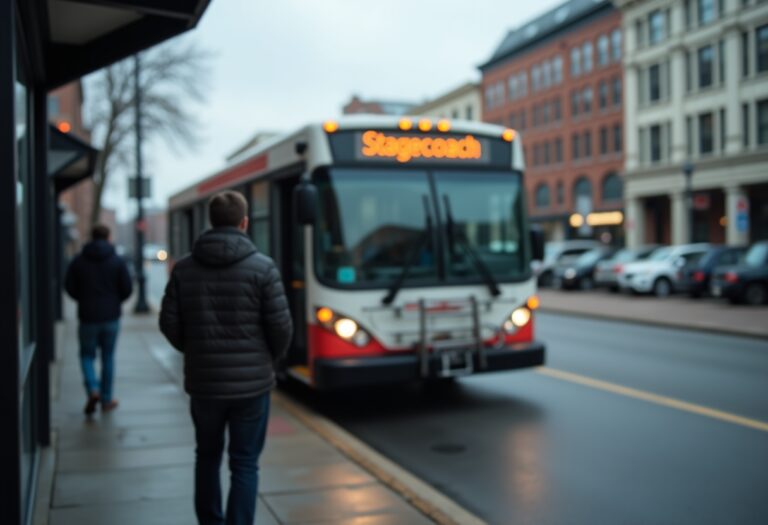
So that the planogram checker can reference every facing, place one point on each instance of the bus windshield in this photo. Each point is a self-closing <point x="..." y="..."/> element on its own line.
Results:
<point x="373" y="222"/>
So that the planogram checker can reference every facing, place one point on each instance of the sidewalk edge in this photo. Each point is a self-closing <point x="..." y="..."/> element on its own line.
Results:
<point x="430" y="502"/>
<point x="653" y="322"/>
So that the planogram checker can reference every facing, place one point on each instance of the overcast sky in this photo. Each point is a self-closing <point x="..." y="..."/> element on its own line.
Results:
<point x="280" y="64"/>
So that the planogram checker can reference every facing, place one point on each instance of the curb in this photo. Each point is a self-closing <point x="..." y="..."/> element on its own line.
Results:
<point x="654" y="322"/>
<point x="430" y="502"/>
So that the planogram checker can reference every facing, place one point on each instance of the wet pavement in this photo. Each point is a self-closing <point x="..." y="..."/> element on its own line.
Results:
<point x="627" y="424"/>
<point x="135" y="465"/>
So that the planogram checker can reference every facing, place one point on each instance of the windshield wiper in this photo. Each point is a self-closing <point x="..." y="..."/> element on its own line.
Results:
<point x="423" y="240"/>
<point x="459" y="234"/>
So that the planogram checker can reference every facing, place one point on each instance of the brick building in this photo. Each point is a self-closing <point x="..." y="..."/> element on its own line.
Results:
<point x="377" y="107"/>
<point x="558" y="80"/>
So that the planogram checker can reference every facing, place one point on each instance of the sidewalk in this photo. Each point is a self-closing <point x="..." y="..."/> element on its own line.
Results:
<point x="707" y="315"/>
<point x="135" y="465"/>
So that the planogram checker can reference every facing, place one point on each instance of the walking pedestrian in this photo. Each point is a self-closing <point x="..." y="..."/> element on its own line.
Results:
<point x="225" y="309"/>
<point x="99" y="281"/>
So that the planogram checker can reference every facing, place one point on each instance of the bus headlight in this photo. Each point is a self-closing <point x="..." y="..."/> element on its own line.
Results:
<point x="343" y="327"/>
<point x="520" y="317"/>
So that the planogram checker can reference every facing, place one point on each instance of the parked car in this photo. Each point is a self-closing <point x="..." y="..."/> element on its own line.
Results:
<point x="553" y="252"/>
<point x="578" y="272"/>
<point x="607" y="271"/>
<point x="661" y="273"/>
<point x="746" y="282"/>
<point x="696" y="276"/>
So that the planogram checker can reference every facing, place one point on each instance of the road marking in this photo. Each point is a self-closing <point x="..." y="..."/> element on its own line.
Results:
<point x="653" y="398"/>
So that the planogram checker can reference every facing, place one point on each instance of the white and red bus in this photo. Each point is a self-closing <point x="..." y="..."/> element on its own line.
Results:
<point x="404" y="244"/>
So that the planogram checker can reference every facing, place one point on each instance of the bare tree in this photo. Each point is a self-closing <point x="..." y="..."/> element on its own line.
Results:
<point x="172" y="77"/>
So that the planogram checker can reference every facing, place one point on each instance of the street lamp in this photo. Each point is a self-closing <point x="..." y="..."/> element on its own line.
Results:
<point x="688" y="172"/>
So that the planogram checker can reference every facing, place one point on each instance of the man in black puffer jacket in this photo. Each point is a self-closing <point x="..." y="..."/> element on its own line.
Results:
<point x="225" y="309"/>
<point x="99" y="281"/>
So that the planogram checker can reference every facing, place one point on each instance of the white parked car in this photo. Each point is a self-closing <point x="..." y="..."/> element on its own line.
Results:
<point x="661" y="273"/>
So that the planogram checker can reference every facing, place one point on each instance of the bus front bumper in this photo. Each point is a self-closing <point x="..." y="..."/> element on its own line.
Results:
<point x="365" y="371"/>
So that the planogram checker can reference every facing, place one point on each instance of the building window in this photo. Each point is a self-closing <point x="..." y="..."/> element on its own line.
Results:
<point x="616" y="45"/>
<point x="706" y="134"/>
<point x="762" y="122"/>
<point x="603" y="94"/>
<point x="706" y="10"/>
<point x="745" y="54"/>
<point x="575" y="98"/>
<point x="560" y="192"/>
<point x="557" y="109"/>
<point x="546" y="74"/>
<point x="575" y="146"/>
<point x="613" y="188"/>
<point x="558" y="150"/>
<point x="617" y="138"/>
<point x="603" y="51"/>
<point x="587" y="99"/>
<point x="557" y="70"/>
<point x="523" y="123"/>
<point x="603" y="140"/>
<point x="547" y="152"/>
<point x="542" y="196"/>
<point x="723" y="130"/>
<point x="586" y="52"/>
<point x="469" y="112"/>
<point x="617" y="91"/>
<point x="582" y="188"/>
<point x="640" y="32"/>
<point x="761" y="48"/>
<point x="575" y="61"/>
<point x="656" y="27"/>
<point x="655" y="140"/>
<point x="53" y="106"/>
<point x="688" y="7"/>
<point x="654" y="83"/>
<point x="705" y="66"/>
<point x="745" y="125"/>
<point x="689" y="136"/>
<point x="688" y="72"/>
<point x="587" y="144"/>
<point x="721" y="62"/>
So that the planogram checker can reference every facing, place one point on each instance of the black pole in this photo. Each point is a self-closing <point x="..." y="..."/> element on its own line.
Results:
<point x="688" y="172"/>
<point x="141" y="299"/>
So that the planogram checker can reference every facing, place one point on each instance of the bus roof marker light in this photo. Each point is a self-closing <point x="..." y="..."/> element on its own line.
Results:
<point x="405" y="124"/>
<point x="443" y="125"/>
<point x="425" y="125"/>
<point x="509" y="134"/>
<point x="331" y="126"/>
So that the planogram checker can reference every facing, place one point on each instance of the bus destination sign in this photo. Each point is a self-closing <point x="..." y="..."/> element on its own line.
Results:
<point x="406" y="148"/>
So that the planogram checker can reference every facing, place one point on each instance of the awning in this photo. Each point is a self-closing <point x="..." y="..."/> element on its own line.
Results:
<point x="69" y="39"/>
<point x="70" y="160"/>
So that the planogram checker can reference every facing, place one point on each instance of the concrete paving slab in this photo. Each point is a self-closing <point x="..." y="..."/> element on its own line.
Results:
<point x="276" y="479"/>
<point x="94" y="438"/>
<point x="306" y="449"/>
<point x="179" y="511"/>
<point x="109" y="459"/>
<point x="335" y="504"/>
<point x="407" y="518"/>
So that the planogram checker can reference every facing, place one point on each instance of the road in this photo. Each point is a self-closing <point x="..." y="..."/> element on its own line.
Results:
<point x="626" y="424"/>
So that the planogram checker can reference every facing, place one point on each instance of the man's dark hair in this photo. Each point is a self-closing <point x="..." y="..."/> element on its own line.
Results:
<point x="100" y="232"/>
<point x="227" y="208"/>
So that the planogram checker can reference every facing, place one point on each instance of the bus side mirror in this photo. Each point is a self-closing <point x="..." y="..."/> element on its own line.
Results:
<point x="537" y="243"/>
<point x="305" y="203"/>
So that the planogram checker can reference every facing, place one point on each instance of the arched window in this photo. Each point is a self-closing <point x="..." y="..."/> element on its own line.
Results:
<point x="560" y="192"/>
<point x="542" y="196"/>
<point x="613" y="187"/>
<point x="581" y="189"/>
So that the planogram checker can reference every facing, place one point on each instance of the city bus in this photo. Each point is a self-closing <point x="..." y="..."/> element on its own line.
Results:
<point x="404" y="245"/>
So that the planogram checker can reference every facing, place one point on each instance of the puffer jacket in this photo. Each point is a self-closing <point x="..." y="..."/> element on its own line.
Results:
<point x="99" y="281"/>
<point x="225" y="309"/>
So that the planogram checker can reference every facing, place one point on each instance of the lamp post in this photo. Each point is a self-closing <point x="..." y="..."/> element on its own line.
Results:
<point x="141" y="280"/>
<point x="688" y="172"/>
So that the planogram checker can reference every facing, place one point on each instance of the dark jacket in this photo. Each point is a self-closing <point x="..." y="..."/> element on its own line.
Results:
<point x="226" y="310"/>
<point x="99" y="281"/>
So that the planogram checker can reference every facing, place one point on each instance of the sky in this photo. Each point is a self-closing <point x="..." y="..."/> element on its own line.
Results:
<point x="278" y="65"/>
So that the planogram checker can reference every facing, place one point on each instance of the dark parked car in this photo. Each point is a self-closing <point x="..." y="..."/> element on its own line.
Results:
<point x="607" y="271"/>
<point x="554" y="253"/>
<point x="696" y="277"/>
<point x="746" y="282"/>
<point x="579" y="272"/>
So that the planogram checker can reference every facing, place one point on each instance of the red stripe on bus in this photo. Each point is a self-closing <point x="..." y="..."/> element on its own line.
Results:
<point x="235" y="174"/>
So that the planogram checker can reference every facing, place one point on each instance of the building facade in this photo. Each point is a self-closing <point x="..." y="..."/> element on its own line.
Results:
<point x="357" y="105"/>
<point x="558" y="80"/>
<point x="464" y="102"/>
<point x="696" y="120"/>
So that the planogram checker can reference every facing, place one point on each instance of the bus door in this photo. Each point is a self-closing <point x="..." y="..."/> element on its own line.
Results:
<point x="290" y="258"/>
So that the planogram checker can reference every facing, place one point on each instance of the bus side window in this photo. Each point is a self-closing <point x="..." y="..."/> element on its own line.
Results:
<point x="260" y="216"/>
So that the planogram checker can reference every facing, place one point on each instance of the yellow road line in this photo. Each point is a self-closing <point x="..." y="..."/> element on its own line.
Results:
<point x="653" y="398"/>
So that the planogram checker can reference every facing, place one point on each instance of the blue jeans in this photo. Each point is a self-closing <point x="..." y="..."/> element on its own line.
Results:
<point x="246" y="420"/>
<point x="95" y="336"/>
